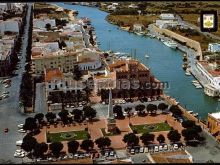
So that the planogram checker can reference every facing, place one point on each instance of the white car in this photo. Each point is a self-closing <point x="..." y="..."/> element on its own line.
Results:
<point x="112" y="153"/>
<point x="132" y="151"/>
<point x="5" y="96"/>
<point x="141" y="150"/>
<point x="68" y="106"/>
<point x="72" y="106"/>
<point x="156" y="148"/>
<point x="7" y="86"/>
<point x="19" y="142"/>
<point x="103" y="103"/>
<point x="146" y="150"/>
<point x="160" y="148"/>
<point x="6" y="92"/>
<point x="22" y="131"/>
<point x="20" y="125"/>
<point x="175" y="147"/>
<point x="19" y="155"/>
<point x="123" y="101"/>
<point x="80" y="105"/>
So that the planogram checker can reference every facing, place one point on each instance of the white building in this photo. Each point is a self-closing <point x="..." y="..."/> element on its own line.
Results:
<point x="209" y="72"/>
<point x="41" y="23"/>
<point x="214" y="47"/>
<point x="10" y="25"/>
<point x="138" y="27"/>
<point x="166" y="23"/>
<point x="167" y="16"/>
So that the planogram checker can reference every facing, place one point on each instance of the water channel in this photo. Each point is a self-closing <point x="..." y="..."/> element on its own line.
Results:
<point x="165" y="63"/>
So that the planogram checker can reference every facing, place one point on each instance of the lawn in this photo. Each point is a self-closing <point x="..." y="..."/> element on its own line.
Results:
<point x="67" y="136"/>
<point x="151" y="127"/>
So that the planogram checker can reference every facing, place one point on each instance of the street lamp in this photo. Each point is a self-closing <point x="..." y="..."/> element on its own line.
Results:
<point x="87" y="122"/>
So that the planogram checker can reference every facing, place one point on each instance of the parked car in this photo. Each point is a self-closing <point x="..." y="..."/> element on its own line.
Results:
<point x="22" y="131"/>
<point x="146" y="150"/>
<point x="20" y="125"/>
<point x="160" y="148"/>
<point x="156" y="148"/>
<point x="19" y="155"/>
<point x="7" y="86"/>
<point x="106" y="154"/>
<point x="132" y="151"/>
<point x="165" y="147"/>
<point x="141" y="150"/>
<point x="5" y="92"/>
<point x="5" y="96"/>
<point x="175" y="146"/>
<point x="19" y="142"/>
<point x="112" y="153"/>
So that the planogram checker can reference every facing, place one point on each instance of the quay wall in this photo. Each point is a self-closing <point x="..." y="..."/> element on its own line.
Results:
<point x="189" y="116"/>
<point x="189" y="42"/>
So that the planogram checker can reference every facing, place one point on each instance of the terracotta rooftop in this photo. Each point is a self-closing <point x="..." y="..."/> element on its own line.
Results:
<point x="53" y="73"/>
<point x="123" y="65"/>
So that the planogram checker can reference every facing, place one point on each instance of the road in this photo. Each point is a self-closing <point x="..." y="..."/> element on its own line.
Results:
<point x="40" y="100"/>
<point x="10" y="115"/>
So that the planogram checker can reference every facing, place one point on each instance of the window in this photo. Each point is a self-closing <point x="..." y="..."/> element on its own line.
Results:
<point x="49" y="86"/>
<point x="61" y="85"/>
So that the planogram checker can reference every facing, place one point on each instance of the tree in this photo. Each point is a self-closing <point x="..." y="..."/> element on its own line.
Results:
<point x="77" y="72"/>
<point x="89" y="112"/>
<point x="162" y="106"/>
<point x="103" y="142"/>
<point x="174" y="136"/>
<point x="161" y="138"/>
<point x="40" y="149"/>
<point x="131" y="139"/>
<point x="175" y="110"/>
<point x="188" y="123"/>
<point x="39" y="117"/>
<point x="140" y="108"/>
<point x="87" y="145"/>
<point x="73" y="146"/>
<point x="30" y="124"/>
<point x="78" y="114"/>
<point x="151" y="108"/>
<point x="28" y="143"/>
<point x="64" y="116"/>
<point x="48" y="26"/>
<point x="56" y="148"/>
<point x="118" y="110"/>
<point x="147" y="138"/>
<point x="50" y="116"/>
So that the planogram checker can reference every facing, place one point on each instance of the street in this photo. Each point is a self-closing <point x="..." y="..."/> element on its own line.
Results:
<point x="10" y="115"/>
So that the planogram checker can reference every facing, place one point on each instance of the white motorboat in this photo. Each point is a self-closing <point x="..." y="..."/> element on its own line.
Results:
<point x="187" y="73"/>
<point x="146" y="56"/>
<point x="170" y="44"/>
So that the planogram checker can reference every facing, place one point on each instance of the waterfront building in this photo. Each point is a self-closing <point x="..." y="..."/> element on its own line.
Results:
<point x="214" y="124"/>
<point x="210" y="72"/>
<point x="210" y="90"/>
<point x="214" y="47"/>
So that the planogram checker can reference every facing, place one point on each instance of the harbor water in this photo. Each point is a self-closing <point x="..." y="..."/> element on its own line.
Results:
<point x="165" y="63"/>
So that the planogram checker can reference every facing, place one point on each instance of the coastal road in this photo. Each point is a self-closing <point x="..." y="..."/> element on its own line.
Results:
<point x="10" y="115"/>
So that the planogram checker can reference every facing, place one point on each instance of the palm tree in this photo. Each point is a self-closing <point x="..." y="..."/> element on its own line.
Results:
<point x="73" y="146"/>
<point x="147" y="137"/>
<point x="161" y="138"/>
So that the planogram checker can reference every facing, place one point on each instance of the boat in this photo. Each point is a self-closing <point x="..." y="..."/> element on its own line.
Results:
<point x="195" y="114"/>
<point x="170" y="44"/>
<point x="109" y="30"/>
<point x="195" y="81"/>
<point x="187" y="73"/>
<point x="146" y="56"/>
<point x="198" y="87"/>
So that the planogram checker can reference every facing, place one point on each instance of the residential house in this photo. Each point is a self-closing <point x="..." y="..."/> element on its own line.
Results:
<point x="41" y="23"/>
<point x="9" y="26"/>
